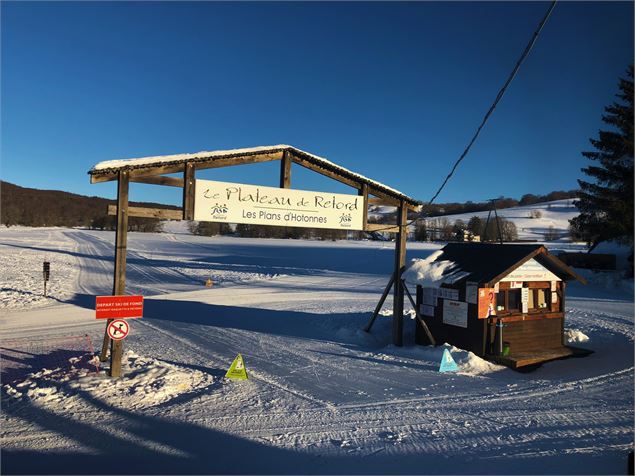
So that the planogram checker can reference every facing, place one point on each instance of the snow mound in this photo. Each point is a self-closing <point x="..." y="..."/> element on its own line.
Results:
<point x="470" y="365"/>
<point x="430" y="273"/>
<point x="145" y="382"/>
<point x="573" y="335"/>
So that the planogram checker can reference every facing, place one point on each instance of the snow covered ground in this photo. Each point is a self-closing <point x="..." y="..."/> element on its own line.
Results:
<point x="323" y="396"/>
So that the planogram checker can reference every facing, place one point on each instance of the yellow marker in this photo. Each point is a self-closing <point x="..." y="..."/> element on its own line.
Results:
<point x="237" y="369"/>
<point x="209" y="283"/>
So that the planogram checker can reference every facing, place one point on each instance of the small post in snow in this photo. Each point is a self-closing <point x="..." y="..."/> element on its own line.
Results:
<point x="46" y="272"/>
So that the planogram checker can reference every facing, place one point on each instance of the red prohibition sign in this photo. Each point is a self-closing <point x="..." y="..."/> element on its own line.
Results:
<point x="118" y="329"/>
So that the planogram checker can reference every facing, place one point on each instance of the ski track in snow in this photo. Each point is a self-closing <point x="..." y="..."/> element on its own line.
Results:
<point x="319" y="388"/>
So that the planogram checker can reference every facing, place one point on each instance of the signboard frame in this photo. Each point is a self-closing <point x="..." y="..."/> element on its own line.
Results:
<point x="229" y="202"/>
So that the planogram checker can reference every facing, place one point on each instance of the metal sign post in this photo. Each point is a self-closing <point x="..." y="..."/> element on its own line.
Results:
<point x="46" y="272"/>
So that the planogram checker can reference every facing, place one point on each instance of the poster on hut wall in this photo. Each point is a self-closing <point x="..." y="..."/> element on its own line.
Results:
<point x="524" y="299"/>
<point x="486" y="303"/>
<point x="257" y="205"/>
<point x="431" y="295"/>
<point x="455" y="313"/>
<point x="471" y="292"/>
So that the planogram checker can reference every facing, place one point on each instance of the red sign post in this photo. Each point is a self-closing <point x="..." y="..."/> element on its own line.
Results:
<point x="118" y="307"/>
<point x="115" y="309"/>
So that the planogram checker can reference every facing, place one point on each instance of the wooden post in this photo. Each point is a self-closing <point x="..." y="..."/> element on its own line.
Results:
<point x="363" y="192"/>
<point x="285" y="178"/>
<point x="563" y="286"/>
<point x="188" y="192"/>
<point x="285" y="170"/>
<point x="119" y="285"/>
<point x="400" y="261"/>
<point x="418" y="303"/>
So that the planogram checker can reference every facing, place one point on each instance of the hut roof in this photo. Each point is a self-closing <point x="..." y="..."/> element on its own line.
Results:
<point x="107" y="170"/>
<point x="489" y="263"/>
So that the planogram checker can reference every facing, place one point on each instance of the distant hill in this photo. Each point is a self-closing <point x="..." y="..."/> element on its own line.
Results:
<point x="34" y="207"/>
<point x="545" y="221"/>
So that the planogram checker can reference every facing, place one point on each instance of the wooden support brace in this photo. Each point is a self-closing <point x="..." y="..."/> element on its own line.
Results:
<point x="380" y="303"/>
<point x="188" y="192"/>
<point x="285" y="170"/>
<point x="164" y="213"/>
<point x="381" y="227"/>
<point x="418" y="316"/>
<point x="157" y="180"/>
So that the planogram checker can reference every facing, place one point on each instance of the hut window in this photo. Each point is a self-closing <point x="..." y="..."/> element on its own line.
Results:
<point x="500" y="301"/>
<point x="538" y="298"/>
<point x="508" y="300"/>
<point x="513" y="300"/>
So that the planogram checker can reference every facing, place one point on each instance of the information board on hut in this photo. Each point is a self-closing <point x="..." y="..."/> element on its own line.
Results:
<point x="258" y="205"/>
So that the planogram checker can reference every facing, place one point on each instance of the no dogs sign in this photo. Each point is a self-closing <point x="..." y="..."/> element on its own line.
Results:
<point x="118" y="329"/>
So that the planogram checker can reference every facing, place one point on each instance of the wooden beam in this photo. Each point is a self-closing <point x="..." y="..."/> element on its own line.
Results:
<point x="188" y="191"/>
<point x="285" y="170"/>
<point x="158" y="180"/>
<point x="327" y="173"/>
<point x="392" y="201"/>
<point x="383" y="202"/>
<point x="163" y="213"/>
<point x="103" y="178"/>
<point x="388" y="228"/>
<point x="400" y="261"/>
<point x="211" y="163"/>
<point x="363" y="192"/>
<point x="380" y="303"/>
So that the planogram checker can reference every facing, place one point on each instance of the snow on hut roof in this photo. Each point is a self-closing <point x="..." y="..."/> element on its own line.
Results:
<point x="113" y="166"/>
<point x="433" y="271"/>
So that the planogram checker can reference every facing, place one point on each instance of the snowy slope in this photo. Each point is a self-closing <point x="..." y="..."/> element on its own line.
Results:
<point x="554" y="214"/>
<point x="323" y="396"/>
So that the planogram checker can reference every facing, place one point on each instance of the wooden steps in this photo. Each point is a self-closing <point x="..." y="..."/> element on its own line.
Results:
<point x="523" y="359"/>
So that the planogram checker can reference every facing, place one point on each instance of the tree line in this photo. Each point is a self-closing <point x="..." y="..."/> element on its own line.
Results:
<point x="34" y="207"/>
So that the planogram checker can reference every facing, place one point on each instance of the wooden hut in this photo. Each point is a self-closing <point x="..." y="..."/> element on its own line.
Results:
<point x="504" y="302"/>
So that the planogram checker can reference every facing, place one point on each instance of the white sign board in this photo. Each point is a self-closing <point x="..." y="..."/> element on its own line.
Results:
<point x="455" y="313"/>
<point x="524" y="299"/>
<point x="431" y="295"/>
<point x="532" y="270"/>
<point x="258" y="205"/>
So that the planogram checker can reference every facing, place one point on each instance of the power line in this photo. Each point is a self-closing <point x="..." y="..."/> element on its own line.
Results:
<point x="499" y="96"/>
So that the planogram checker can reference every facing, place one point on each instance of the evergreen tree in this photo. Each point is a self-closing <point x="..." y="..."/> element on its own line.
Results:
<point x="606" y="204"/>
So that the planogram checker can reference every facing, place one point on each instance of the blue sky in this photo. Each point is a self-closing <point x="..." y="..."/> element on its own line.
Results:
<point x="390" y="90"/>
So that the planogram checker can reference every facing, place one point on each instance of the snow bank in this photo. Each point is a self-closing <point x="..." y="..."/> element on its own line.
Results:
<point x="430" y="273"/>
<point x="145" y="382"/>
<point x="470" y="365"/>
<point x="573" y="336"/>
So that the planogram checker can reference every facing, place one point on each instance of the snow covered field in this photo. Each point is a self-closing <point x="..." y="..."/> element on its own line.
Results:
<point x="533" y="222"/>
<point x="323" y="396"/>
